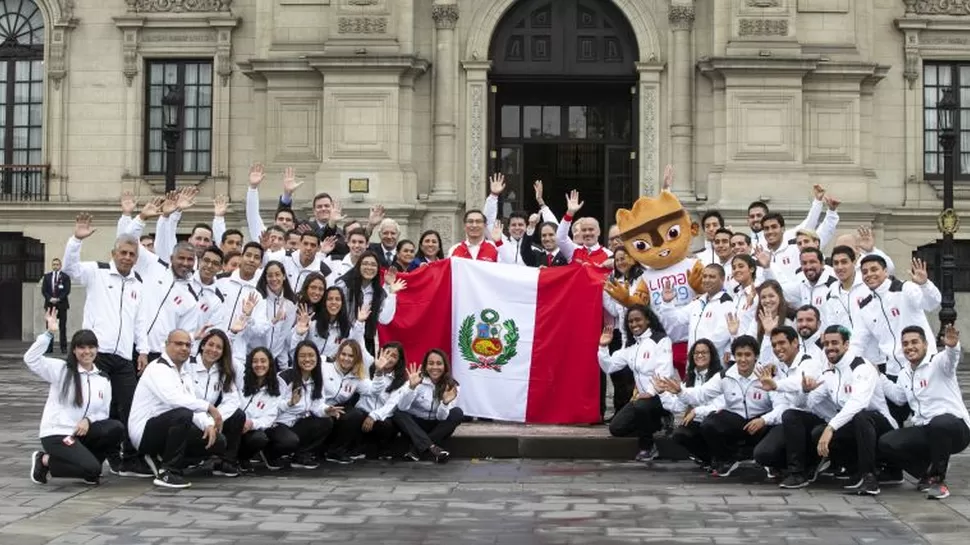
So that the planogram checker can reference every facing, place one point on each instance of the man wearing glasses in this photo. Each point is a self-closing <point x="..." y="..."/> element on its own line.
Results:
<point x="475" y="246"/>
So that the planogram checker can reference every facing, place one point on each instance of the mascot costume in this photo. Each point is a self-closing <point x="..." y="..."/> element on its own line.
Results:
<point x="657" y="234"/>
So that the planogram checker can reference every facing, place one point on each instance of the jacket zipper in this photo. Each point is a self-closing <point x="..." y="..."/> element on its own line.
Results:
<point x="88" y="405"/>
<point x="121" y="314"/>
<point x="890" y="327"/>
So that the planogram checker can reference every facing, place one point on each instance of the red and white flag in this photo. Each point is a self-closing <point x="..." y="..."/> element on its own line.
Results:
<point x="522" y="341"/>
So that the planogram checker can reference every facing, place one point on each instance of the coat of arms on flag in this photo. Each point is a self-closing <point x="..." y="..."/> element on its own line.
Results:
<point x="489" y="349"/>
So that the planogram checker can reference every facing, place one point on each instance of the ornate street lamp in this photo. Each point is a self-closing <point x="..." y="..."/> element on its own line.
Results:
<point x="948" y="222"/>
<point x="172" y="131"/>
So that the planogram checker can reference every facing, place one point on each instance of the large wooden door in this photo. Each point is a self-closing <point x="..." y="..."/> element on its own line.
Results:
<point x="21" y="261"/>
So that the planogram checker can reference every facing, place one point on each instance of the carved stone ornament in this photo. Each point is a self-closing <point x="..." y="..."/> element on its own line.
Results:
<point x="476" y="159"/>
<point x="649" y="169"/>
<point x="938" y="7"/>
<point x="444" y="226"/>
<point x="911" y="67"/>
<point x="362" y="25"/>
<point x="445" y="16"/>
<point x="763" y="3"/>
<point x="177" y="6"/>
<point x="948" y="223"/>
<point x="681" y="17"/>
<point x="763" y="27"/>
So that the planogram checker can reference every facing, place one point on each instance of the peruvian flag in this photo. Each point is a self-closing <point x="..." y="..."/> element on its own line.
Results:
<point x="522" y="341"/>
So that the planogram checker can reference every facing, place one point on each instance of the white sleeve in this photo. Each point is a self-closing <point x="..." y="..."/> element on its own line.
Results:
<point x="703" y="394"/>
<point x="548" y="216"/>
<point x="490" y="211"/>
<point x="71" y="263"/>
<point x="124" y="223"/>
<point x="253" y="219"/>
<point x="864" y="380"/>
<point x="565" y="243"/>
<point x="814" y="213"/>
<point x="388" y="308"/>
<point x="46" y="368"/>
<point x="618" y="360"/>
<point x="826" y="231"/>
<point x="218" y="230"/>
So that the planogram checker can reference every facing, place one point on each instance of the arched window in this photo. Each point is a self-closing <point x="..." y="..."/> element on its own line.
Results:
<point x="21" y="98"/>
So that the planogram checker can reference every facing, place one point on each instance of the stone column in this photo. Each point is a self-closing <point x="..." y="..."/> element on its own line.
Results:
<point x="444" y="187"/>
<point x="681" y="18"/>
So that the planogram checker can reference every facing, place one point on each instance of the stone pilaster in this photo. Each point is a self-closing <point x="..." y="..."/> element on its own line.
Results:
<point x="444" y="186"/>
<point x="681" y="18"/>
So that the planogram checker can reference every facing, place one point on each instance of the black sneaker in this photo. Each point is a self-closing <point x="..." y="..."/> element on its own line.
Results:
<point x="724" y="469"/>
<point x="92" y="482"/>
<point x="924" y="484"/>
<point x="226" y="469"/>
<point x="305" y="461"/>
<point x="38" y="471"/>
<point x="869" y="486"/>
<point x="647" y="455"/>
<point x="245" y="466"/>
<point x="167" y="479"/>
<point x="412" y="455"/>
<point x="339" y="458"/>
<point x="358" y="455"/>
<point x="938" y="491"/>
<point x="114" y="466"/>
<point x="794" y="481"/>
<point x="272" y="464"/>
<point x="891" y="476"/>
<point x="135" y="467"/>
<point x="439" y="454"/>
<point x="843" y="473"/>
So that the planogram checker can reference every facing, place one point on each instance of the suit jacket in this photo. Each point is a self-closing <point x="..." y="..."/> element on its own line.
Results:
<point x="378" y="249"/>
<point x="62" y="292"/>
<point x="537" y="254"/>
<point x="340" y="250"/>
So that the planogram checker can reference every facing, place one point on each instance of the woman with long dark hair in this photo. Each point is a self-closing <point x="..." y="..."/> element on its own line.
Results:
<point x="703" y="363"/>
<point x="326" y="323"/>
<point x="404" y="255"/>
<point x="75" y="430"/>
<point x="362" y="288"/>
<point x="427" y="413"/>
<point x="379" y="430"/>
<point x="429" y="250"/>
<point x="215" y="378"/>
<point x="648" y="355"/>
<point x="261" y="402"/>
<point x="624" y="277"/>
<point x="279" y="309"/>
<point x="304" y="414"/>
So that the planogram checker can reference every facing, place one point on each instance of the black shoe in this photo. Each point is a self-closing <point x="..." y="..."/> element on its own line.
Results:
<point x="114" y="466"/>
<point x="854" y="483"/>
<point x="92" y="481"/>
<point x="843" y="473"/>
<point x="305" y="461"/>
<point x="245" y="466"/>
<point x="38" y="471"/>
<point x="135" y="467"/>
<point x="339" y="458"/>
<point x="891" y="476"/>
<point x="412" y="455"/>
<point x="794" y="481"/>
<point x="167" y="479"/>
<point x="439" y="454"/>
<point x="647" y="455"/>
<point x="724" y="469"/>
<point x="938" y="490"/>
<point x="924" y="484"/>
<point x="272" y="464"/>
<point x="226" y="469"/>
<point x="869" y="486"/>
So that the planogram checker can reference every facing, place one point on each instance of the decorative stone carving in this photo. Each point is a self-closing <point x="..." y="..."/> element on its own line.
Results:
<point x="945" y="39"/>
<point x="177" y="6"/>
<point x="763" y="3"/>
<point x="476" y="159"/>
<point x="57" y="60"/>
<point x="130" y="54"/>
<point x="681" y="17"/>
<point x="223" y="59"/>
<point x="188" y="38"/>
<point x="362" y="25"/>
<point x="445" y="227"/>
<point x="445" y="16"/>
<point x="938" y="7"/>
<point x="763" y="27"/>
<point x="649" y="135"/>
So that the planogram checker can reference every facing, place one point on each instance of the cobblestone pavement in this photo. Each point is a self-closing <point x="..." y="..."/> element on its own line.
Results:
<point x="467" y="502"/>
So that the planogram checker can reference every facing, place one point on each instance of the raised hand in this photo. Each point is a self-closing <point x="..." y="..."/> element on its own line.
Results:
<point x="450" y="393"/>
<point x="533" y="221"/>
<point x="256" y="175"/>
<point x="220" y="206"/>
<point x="497" y="230"/>
<point x="265" y="240"/>
<point x="749" y="296"/>
<point x="201" y="331"/>
<point x="327" y="245"/>
<point x="280" y="315"/>
<point x="808" y="383"/>
<point x="82" y="226"/>
<point x="767" y="377"/>
<point x="377" y="214"/>
<point x="618" y="290"/>
<point x="951" y="336"/>
<point x="290" y="183"/>
<point x="186" y="198"/>
<point x="336" y="212"/>
<point x="169" y="204"/>
<point x="304" y="228"/>
<point x="239" y="323"/>
<point x="303" y="317"/>
<point x="867" y="242"/>
<point x="128" y="203"/>
<point x="832" y="202"/>
<point x="296" y="396"/>
<point x="397" y="285"/>
<point x="819" y="192"/>
<point x="50" y="317"/>
<point x="668" y="177"/>
<point x="537" y="186"/>
<point x="762" y="257"/>
<point x="668" y="293"/>
<point x="918" y="272"/>
<point x="607" y="336"/>
<point x="383" y="362"/>
<point x="573" y="204"/>
<point x="413" y="371"/>
<point x="250" y="303"/>
<point x="364" y="313"/>
<point x="496" y="183"/>
<point x="769" y="320"/>
<point x="390" y="276"/>
<point x="733" y="324"/>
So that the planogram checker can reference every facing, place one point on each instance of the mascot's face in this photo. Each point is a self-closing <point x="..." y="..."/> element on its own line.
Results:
<point x="658" y="231"/>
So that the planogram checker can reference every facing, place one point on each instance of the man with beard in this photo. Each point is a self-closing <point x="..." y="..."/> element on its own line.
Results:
<point x="170" y="298"/>
<point x="808" y="324"/>
<point x="812" y="281"/>
<point x="850" y="393"/>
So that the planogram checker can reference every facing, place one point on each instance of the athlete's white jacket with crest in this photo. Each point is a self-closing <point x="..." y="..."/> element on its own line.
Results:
<point x="328" y="345"/>
<point x="211" y="302"/>
<point x="801" y="291"/>
<point x="743" y="396"/>
<point x="931" y="389"/>
<point x="277" y="335"/>
<point x="649" y="357"/>
<point x="262" y="408"/>
<point x="296" y="272"/>
<point x="288" y="414"/>
<point x="674" y="405"/>
<point x="339" y="387"/>
<point x="113" y="307"/>
<point x="172" y="303"/>
<point x="380" y="405"/>
<point x="883" y="314"/>
<point x="162" y="388"/>
<point x="706" y="317"/>
<point x="788" y="379"/>
<point x="61" y="416"/>
<point x="208" y="386"/>
<point x="847" y="388"/>
<point x="420" y="402"/>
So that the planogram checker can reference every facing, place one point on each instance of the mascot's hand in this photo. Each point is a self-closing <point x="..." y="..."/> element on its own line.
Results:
<point x="641" y="296"/>
<point x="619" y="291"/>
<point x="694" y="277"/>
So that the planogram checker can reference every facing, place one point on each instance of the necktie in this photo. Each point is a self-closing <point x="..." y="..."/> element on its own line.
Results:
<point x="54" y="279"/>
<point x="390" y="257"/>
<point x="549" y="259"/>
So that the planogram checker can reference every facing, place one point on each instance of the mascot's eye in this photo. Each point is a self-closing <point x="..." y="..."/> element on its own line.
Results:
<point x="673" y="232"/>
<point x="641" y="245"/>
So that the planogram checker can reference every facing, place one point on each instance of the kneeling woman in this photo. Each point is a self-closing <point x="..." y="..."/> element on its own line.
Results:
<point x="648" y="354"/>
<point x="215" y="381"/>
<point x="303" y="415"/>
<point x="703" y="363"/>
<point x="261" y="402"/>
<point x="75" y="430"/>
<point x="344" y="380"/>
<point x="426" y="413"/>
<point x="379" y="430"/>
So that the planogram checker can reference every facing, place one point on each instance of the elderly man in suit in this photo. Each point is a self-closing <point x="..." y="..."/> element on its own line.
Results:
<point x="56" y="287"/>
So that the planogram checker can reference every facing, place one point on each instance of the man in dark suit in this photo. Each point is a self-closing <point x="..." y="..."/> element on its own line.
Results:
<point x="56" y="287"/>
<point x="545" y="250"/>
<point x="386" y="249"/>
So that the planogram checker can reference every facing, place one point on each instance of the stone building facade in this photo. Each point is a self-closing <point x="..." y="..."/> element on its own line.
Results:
<point x="748" y="99"/>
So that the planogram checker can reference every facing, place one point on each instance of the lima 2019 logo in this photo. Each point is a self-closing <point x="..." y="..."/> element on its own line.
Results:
<point x="488" y="344"/>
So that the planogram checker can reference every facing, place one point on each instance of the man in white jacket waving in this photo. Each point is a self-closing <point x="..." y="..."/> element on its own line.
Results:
<point x="168" y="423"/>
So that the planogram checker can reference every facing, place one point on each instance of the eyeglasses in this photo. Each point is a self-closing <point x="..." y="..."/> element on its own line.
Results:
<point x="211" y="262"/>
<point x="474" y="222"/>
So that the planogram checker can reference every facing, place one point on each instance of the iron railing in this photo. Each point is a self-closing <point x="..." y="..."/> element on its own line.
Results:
<point x="24" y="183"/>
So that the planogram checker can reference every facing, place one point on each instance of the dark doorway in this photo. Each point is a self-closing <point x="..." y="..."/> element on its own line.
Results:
<point x="21" y="261"/>
<point x="563" y="104"/>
